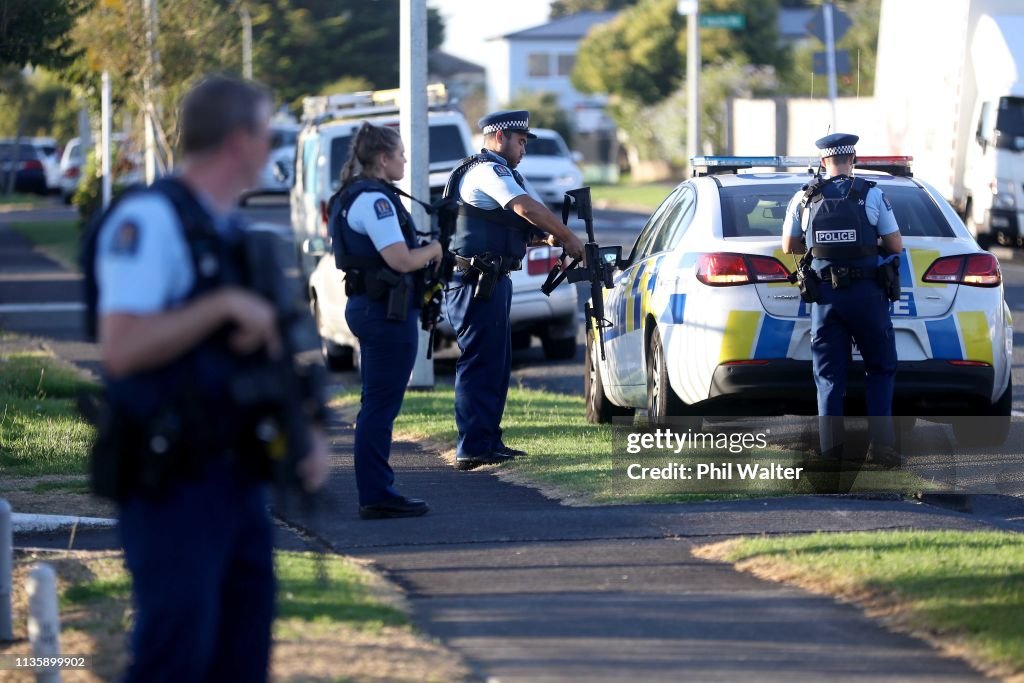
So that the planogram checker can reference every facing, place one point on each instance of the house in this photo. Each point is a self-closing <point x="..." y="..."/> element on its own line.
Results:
<point x="460" y="77"/>
<point x="540" y="59"/>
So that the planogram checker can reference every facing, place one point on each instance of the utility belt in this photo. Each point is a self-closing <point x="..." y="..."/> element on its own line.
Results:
<point x="484" y="271"/>
<point x="842" y="277"/>
<point x="381" y="284"/>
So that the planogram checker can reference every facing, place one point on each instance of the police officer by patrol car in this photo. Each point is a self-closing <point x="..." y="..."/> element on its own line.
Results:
<point x="841" y="219"/>
<point x="374" y="242"/>
<point x="497" y="218"/>
<point x="176" y="320"/>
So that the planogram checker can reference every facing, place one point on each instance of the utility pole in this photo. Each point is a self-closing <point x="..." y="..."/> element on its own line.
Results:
<point x="105" y="139"/>
<point x="413" y="126"/>
<point x="830" y="58"/>
<point x="149" y="83"/>
<point x="243" y="10"/>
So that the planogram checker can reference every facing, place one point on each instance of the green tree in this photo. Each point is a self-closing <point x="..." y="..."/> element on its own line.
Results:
<point x="300" y="46"/>
<point x="36" y="31"/>
<point x="562" y="8"/>
<point x="41" y="104"/>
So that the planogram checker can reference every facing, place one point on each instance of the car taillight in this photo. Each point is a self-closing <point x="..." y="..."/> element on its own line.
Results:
<point x="976" y="270"/>
<point x="323" y="220"/>
<point x="722" y="270"/>
<point x="32" y="165"/>
<point x="72" y="172"/>
<point x="541" y="260"/>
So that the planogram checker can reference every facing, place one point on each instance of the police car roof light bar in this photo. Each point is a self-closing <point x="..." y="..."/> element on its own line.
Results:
<point x="711" y="165"/>
<point x="353" y="105"/>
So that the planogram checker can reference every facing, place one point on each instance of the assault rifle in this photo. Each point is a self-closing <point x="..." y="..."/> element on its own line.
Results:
<point x="601" y="263"/>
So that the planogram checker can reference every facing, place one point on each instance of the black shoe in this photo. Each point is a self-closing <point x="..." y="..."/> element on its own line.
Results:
<point x="511" y="452"/>
<point x="399" y="506"/>
<point x="885" y="456"/>
<point x="472" y="462"/>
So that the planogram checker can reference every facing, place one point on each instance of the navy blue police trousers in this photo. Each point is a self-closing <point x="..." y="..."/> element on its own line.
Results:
<point x="387" y="353"/>
<point x="482" y="373"/>
<point x="202" y="568"/>
<point x="860" y="313"/>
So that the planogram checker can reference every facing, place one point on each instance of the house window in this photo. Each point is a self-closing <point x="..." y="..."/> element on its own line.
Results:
<point x="539" y="64"/>
<point x="566" y="64"/>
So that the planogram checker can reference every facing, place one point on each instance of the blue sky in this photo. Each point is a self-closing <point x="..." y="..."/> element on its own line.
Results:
<point x="468" y="23"/>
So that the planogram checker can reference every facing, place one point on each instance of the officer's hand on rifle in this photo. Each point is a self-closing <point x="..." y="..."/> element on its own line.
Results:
<point x="574" y="247"/>
<point x="255" y="321"/>
<point x="315" y="467"/>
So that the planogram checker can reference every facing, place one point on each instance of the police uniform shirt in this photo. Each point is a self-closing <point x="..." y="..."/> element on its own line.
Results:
<point x="876" y="205"/>
<point x="374" y="215"/>
<point x="490" y="185"/>
<point x="143" y="263"/>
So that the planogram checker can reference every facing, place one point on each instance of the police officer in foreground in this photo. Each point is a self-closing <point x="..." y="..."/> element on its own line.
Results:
<point x="497" y="218"/>
<point x="841" y="219"/>
<point x="374" y="242"/>
<point x="178" y="325"/>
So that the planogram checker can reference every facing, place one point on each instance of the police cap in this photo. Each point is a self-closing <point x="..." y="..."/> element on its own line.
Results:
<point x="517" y="120"/>
<point x="836" y="144"/>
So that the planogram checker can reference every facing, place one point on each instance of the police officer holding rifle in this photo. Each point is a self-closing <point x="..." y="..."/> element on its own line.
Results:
<point x="497" y="218"/>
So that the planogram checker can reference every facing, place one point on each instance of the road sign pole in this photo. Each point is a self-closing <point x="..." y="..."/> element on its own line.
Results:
<point x="693" y="80"/>
<point x="413" y="126"/>
<point x="830" y="58"/>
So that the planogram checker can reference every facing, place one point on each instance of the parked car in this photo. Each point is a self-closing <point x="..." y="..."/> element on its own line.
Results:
<point x="705" y="322"/>
<point x="550" y="167"/>
<point x="72" y="164"/>
<point x="277" y="174"/>
<point x="26" y="161"/>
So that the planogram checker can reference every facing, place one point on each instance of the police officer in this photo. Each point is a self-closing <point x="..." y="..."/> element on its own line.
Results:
<point x="375" y="244"/>
<point x="497" y="217"/>
<point x="841" y="219"/>
<point x="175" y="322"/>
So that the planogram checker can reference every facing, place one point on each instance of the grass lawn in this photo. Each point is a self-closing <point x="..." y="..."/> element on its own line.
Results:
<point x="572" y="459"/>
<point x="17" y="198"/>
<point x="647" y="196"/>
<point x="61" y="238"/>
<point x="963" y="589"/>
<point x="41" y="431"/>
<point x="333" y="630"/>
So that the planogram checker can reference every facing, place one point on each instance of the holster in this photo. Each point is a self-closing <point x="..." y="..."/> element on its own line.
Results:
<point x="888" y="275"/>
<point x="807" y="280"/>
<point x="840" y="276"/>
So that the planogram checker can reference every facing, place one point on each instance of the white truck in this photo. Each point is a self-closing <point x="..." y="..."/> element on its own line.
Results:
<point x="949" y="88"/>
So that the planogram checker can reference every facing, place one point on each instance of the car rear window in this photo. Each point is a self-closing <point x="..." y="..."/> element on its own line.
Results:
<point x="760" y="210"/>
<point x="446" y="146"/>
<point x="26" y="151"/>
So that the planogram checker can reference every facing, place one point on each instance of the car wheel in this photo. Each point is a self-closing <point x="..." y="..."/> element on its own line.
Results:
<point x="600" y="409"/>
<point x="662" y="400"/>
<point x="559" y="349"/>
<point x="520" y="341"/>
<point x="337" y="358"/>
<point x="989" y="429"/>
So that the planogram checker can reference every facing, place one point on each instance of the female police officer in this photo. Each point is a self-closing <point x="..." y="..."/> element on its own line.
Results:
<point x="374" y="243"/>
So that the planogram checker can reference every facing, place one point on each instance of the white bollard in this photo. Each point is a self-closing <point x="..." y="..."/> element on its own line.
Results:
<point x="6" y="543"/>
<point x="43" y="619"/>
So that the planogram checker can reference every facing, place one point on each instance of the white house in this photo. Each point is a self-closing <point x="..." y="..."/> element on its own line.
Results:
<point x="540" y="59"/>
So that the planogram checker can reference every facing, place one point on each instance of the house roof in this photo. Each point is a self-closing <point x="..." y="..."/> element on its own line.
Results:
<point x="445" y="64"/>
<point x="572" y="27"/>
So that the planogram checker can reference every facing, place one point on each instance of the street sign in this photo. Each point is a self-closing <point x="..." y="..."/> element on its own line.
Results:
<point x="840" y="24"/>
<point x="735" y="22"/>
<point x="842" y="62"/>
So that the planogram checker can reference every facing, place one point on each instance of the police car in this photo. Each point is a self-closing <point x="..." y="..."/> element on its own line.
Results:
<point x="705" y="322"/>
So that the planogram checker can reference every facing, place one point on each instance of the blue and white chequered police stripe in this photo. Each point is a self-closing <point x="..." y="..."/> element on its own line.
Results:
<point x="502" y="125"/>
<point x="836" y="151"/>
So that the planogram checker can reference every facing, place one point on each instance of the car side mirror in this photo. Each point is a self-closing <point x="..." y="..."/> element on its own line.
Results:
<point x="315" y="247"/>
<point x="577" y="157"/>
<point x="612" y="256"/>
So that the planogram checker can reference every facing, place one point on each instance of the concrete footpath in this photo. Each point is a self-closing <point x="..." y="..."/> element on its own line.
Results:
<point x="530" y="590"/>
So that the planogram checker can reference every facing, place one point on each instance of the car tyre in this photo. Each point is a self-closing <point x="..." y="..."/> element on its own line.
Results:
<point x="993" y="429"/>
<point x="600" y="409"/>
<point x="662" y="400"/>
<point x="559" y="349"/>
<point x="337" y="358"/>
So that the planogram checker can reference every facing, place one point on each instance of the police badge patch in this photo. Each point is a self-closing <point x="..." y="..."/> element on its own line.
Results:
<point x="502" y="171"/>
<point x="126" y="239"/>
<point x="383" y="208"/>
